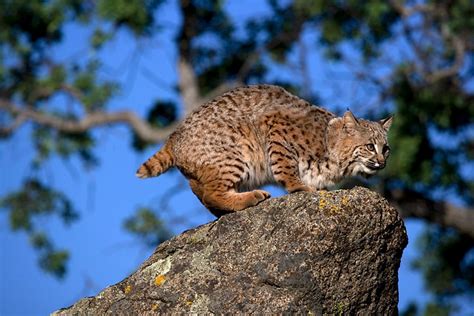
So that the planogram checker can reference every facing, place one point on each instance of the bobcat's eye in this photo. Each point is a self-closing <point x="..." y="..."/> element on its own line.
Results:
<point x="370" y="147"/>
<point x="385" y="149"/>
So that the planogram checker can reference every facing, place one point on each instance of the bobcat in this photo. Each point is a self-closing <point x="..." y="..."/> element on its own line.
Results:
<point x="256" y="135"/>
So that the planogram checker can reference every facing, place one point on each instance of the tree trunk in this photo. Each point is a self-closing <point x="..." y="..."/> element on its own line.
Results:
<point x="324" y="253"/>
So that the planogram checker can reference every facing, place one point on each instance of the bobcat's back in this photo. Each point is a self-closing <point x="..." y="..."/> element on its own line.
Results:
<point x="230" y="132"/>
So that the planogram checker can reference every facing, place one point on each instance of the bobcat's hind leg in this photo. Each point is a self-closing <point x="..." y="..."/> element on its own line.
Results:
<point x="196" y="187"/>
<point x="220" y="198"/>
<point x="232" y="201"/>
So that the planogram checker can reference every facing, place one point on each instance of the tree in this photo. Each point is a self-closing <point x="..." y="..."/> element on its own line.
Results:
<point x="414" y="58"/>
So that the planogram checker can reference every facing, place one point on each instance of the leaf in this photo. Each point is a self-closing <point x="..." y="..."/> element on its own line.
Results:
<point x="445" y="262"/>
<point x="99" y="38"/>
<point x="39" y="240"/>
<point x="54" y="262"/>
<point x="36" y="199"/>
<point x="135" y="14"/>
<point x="147" y="226"/>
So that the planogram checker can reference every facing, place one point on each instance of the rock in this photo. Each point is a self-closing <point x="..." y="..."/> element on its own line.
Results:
<point x="324" y="253"/>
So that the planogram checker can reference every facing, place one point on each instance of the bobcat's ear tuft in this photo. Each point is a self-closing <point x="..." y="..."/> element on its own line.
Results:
<point x="350" y="121"/>
<point x="386" y="122"/>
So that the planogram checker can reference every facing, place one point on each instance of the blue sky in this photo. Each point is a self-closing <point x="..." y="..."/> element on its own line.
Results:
<point x="102" y="253"/>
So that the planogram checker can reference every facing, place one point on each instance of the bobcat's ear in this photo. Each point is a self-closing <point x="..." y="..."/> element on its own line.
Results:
<point x="350" y="121"/>
<point x="386" y="122"/>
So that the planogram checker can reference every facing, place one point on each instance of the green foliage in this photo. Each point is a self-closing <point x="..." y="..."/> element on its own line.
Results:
<point x="135" y="14"/>
<point x="366" y="26"/>
<point x="25" y="24"/>
<point x="410" y="310"/>
<point x="431" y="308"/>
<point x="49" y="141"/>
<point x="460" y="16"/>
<point x="405" y="158"/>
<point x="35" y="199"/>
<point x="443" y="107"/>
<point x="92" y="93"/>
<point x="50" y="260"/>
<point x="162" y="114"/>
<point x="447" y="262"/>
<point x="99" y="38"/>
<point x="436" y="309"/>
<point x="54" y="262"/>
<point x="209" y="37"/>
<point x="148" y="227"/>
<point x="39" y="240"/>
<point x="219" y="53"/>
<point x="32" y="201"/>
<point x="27" y="30"/>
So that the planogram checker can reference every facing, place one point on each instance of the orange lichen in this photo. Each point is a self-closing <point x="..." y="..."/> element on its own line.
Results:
<point x="128" y="289"/>
<point x="328" y="204"/>
<point x="154" y="307"/>
<point x="322" y="203"/>
<point x="159" y="280"/>
<point x="345" y="200"/>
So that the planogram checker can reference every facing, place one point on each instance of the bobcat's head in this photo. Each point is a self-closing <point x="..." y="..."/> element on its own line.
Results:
<point x="360" y="146"/>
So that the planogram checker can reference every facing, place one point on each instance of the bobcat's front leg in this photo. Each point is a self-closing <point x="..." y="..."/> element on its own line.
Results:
<point x="284" y="166"/>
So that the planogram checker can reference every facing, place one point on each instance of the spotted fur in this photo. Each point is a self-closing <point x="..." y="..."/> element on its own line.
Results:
<point x="262" y="134"/>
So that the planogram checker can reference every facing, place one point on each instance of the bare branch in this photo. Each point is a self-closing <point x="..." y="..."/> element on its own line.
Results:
<point x="304" y="68"/>
<point x="188" y="85"/>
<point x="413" y="204"/>
<point x="460" y="51"/>
<point x="435" y="13"/>
<point x="406" y="11"/>
<point x="72" y="91"/>
<point x="94" y="119"/>
<point x="8" y="130"/>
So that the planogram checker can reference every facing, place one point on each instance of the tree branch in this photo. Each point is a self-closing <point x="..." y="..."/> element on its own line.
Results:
<point x="6" y="131"/>
<point x="439" y="14"/>
<point x="460" y="51"/>
<point x="94" y="119"/>
<point x="406" y="11"/>
<point x="188" y="85"/>
<point x="413" y="204"/>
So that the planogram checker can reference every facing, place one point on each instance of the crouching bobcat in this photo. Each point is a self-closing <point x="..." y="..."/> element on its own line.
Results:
<point x="262" y="134"/>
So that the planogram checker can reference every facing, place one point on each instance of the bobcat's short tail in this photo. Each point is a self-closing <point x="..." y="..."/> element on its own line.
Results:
<point x="161" y="161"/>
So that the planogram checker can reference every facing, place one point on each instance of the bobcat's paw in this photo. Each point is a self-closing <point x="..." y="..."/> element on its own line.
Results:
<point x="300" y="188"/>
<point x="254" y="197"/>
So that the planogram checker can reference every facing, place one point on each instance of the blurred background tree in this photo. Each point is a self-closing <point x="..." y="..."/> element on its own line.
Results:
<point x="412" y="58"/>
